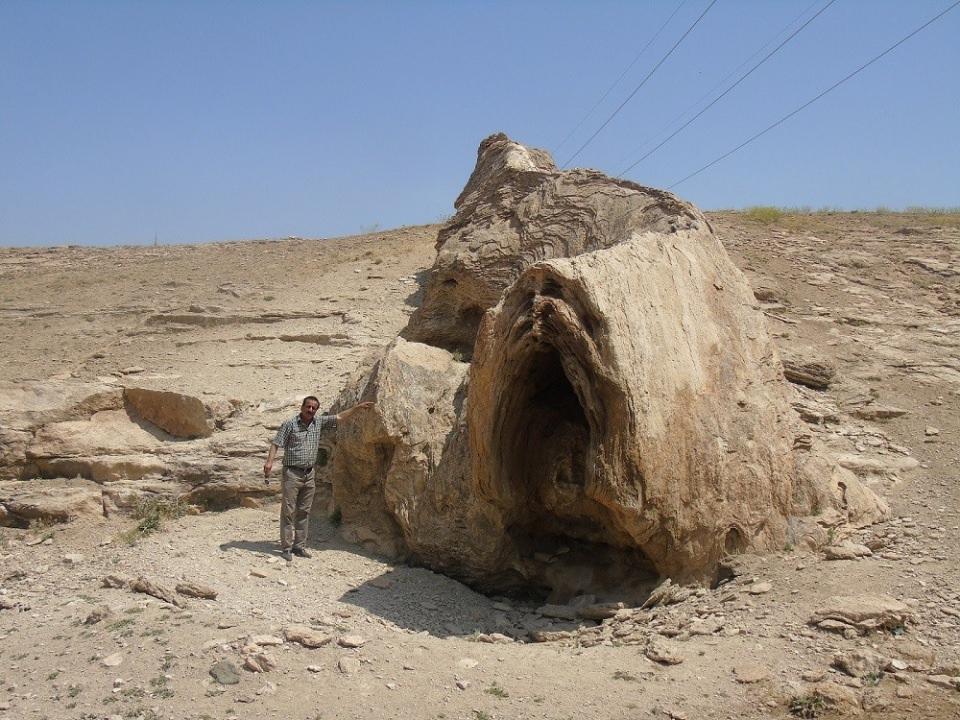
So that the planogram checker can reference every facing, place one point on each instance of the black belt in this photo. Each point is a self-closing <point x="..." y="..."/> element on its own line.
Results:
<point x="302" y="469"/>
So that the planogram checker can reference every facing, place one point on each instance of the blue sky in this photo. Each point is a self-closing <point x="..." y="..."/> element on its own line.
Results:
<point x="128" y="120"/>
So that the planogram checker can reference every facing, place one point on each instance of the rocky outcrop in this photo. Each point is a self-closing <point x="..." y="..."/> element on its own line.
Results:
<point x="625" y="414"/>
<point x="129" y="437"/>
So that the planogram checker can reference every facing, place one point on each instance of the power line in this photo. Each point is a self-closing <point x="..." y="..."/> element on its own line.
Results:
<point x="813" y="100"/>
<point x="642" y="83"/>
<point x="666" y="126"/>
<point x="622" y="75"/>
<point x="725" y="92"/>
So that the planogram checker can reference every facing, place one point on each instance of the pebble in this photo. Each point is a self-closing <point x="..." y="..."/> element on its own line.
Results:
<point x="760" y="588"/>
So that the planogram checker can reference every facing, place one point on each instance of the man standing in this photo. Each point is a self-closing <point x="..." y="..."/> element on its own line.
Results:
<point x="300" y="439"/>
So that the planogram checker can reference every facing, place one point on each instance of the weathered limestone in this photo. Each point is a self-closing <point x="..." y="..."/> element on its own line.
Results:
<point x="69" y="429"/>
<point x="624" y="417"/>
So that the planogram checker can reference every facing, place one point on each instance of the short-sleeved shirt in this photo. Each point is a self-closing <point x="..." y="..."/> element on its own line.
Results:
<point x="300" y="441"/>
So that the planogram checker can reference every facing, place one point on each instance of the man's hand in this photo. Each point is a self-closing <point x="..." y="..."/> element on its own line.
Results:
<point x="266" y="472"/>
<point x="359" y="406"/>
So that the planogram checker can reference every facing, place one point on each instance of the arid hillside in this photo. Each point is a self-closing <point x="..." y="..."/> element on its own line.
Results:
<point x="864" y="309"/>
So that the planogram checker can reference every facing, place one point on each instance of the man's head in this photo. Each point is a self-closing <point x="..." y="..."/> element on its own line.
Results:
<point x="308" y="408"/>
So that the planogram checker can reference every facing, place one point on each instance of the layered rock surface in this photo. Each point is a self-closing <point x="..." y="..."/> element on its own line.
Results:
<point x="130" y="442"/>
<point x="624" y="416"/>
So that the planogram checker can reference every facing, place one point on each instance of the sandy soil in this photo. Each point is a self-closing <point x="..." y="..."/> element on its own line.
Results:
<point x="875" y="296"/>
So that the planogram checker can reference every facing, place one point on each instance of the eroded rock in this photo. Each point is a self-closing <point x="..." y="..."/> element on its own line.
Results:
<point x="624" y="416"/>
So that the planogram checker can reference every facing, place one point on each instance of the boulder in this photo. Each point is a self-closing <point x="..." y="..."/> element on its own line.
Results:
<point x="624" y="416"/>
<point x="183" y="416"/>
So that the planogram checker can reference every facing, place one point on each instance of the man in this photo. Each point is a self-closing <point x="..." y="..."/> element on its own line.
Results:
<point x="300" y="439"/>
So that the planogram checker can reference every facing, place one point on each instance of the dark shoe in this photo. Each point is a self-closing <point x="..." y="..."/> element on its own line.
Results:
<point x="286" y="555"/>
<point x="300" y="552"/>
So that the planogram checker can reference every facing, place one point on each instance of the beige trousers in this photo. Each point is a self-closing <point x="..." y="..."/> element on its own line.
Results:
<point x="298" y="487"/>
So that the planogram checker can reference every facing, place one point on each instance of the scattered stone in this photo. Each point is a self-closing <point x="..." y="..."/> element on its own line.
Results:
<point x="560" y="612"/>
<point x="666" y="593"/>
<point x="348" y="665"/>
<point x="463" y="684"/>
<point x="659" y="650"/>
<point x="115" y="581"/>
<point x="467" y="663"/>
<point x="760" y="588"/>
<point x="948" y="682"/>
<point x="866" y="613"/>
<point x="73" y="558"/>
<point x="259" y="662"/>
<point x="351" y="641"/>
<point x="860" y="662"/>
<point x="599" y="611"/>
<point x="265" y="640"/>
<point x="269" y="688"/>
<point x="878" y="412"/>
<point x="197" y="591"/>
<point x="382" y="583"/>
<point x="750" y="673"/>
<point x="101" y="612"/>
<point x="931" y="431"/>
<point x="314" y="668"/>
<point x="142" y="585"/>
<point x="225" y="673"/>
<point x="308" y="637"/>
<point x="846" y="551"/>
<point x="112" y="660"/>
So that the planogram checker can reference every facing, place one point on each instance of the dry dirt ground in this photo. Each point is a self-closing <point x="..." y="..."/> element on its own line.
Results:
<point x="875" y="296"/>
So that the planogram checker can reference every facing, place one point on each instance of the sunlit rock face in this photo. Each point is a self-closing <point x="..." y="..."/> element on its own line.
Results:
<point x="623" y="415"/>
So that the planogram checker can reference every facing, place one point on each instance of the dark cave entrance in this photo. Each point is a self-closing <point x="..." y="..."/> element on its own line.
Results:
<point x="567" y="541"/>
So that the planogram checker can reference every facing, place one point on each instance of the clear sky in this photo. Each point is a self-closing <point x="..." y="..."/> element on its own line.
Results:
<point x="126" y="120"/>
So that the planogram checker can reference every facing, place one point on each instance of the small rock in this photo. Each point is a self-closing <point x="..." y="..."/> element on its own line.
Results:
<point x="259" y="662"/>
<point x="661" y="651"/>
<point x="115" y="581"/>
<point x="760" y="588"/>
<point x="948" y="682"/>
<point x="269" y="688"/>
<point x="560" y="612"/>
<point x="860" y="662"/>
<point x="314" y="668"/>
<point x="931" y="431"/>
<point x="846" y="551"/>
<point x="101" y="612"/>
<point x="351" y="641"/>
<point x="749" y="673"/>
<point x="467" y="663"/>
<point x="348" y="665"/>
<point x="73" y="558"/>
<point x="225" y="673"/>
<point x="308" y="637"/>
<point x="463" y="684"/>
<point x="266" y="640"/>
<point x="198" y="591"/>
<point x="112" y="660"/>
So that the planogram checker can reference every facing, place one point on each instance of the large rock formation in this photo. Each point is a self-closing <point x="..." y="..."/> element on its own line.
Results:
<point x="131" y="441"/>
<point x="624" y="416"/>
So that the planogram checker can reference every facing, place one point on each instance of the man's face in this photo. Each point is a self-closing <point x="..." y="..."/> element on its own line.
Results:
<point x="308" y="410"/>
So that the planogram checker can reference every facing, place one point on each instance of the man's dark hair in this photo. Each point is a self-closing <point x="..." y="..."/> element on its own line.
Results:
<point x="308" y="398"/>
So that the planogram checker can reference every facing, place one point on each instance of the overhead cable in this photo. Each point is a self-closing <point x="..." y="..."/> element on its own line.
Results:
<point x="679" y="117"/>
<point x="814" y="99"/>
<point x="622" y="75"/>
<point x="725" y="92"/>
<point x="642" y="83"/>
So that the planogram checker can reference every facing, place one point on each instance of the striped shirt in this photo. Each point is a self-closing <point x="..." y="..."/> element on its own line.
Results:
<point x="300" y="441"/>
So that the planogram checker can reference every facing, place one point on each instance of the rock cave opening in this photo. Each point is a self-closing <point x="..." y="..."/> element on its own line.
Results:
<point x="567" y="542"/>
